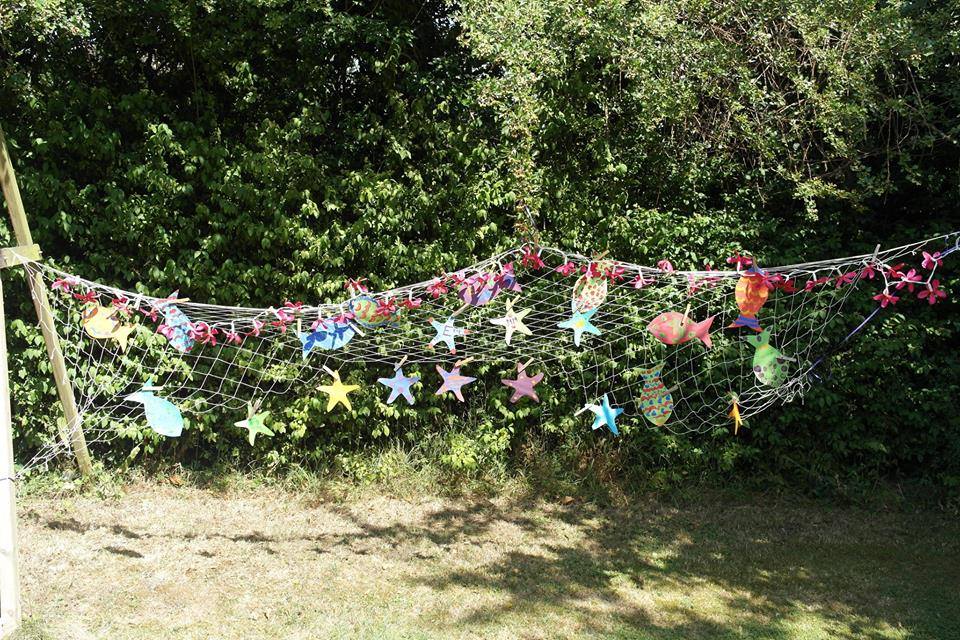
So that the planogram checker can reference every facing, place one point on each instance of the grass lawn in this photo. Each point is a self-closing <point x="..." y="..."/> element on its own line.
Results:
<point x="182" y="562"/>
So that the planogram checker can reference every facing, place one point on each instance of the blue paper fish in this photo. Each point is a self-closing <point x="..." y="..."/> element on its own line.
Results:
<point x="162" y="415"/>
<point x="328" y="335"/>
<point x="177" y="324"/>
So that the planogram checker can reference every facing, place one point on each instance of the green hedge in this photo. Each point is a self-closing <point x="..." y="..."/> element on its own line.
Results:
<point x="238" y="148"/>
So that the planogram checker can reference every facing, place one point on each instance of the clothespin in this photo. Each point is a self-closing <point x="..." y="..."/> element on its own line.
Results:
<point x="397" y="366"/>
<point x="524" y="365"/>
<point x="460" y="363"/>
<point x="327" y="369"/>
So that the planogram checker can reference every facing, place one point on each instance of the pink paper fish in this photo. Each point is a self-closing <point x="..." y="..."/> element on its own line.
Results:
<point x="677" y="328"/>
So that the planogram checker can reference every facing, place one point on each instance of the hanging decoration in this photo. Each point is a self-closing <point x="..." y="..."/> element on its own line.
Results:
<point x="337" y="391"/>
<point x="255" y="423"/>
<point x="580" y="323"/>
<point x="604" y="415"/>
<point x="105" y="323"/>
<point x="453" y="381"/>
<point x="512" y="321"/>
<point x="163" y="416"/>
<point x="523" y="385"/>
<point x="399" y="385"/>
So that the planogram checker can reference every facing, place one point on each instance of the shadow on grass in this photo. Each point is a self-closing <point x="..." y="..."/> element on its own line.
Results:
<point x="709" y="568"/>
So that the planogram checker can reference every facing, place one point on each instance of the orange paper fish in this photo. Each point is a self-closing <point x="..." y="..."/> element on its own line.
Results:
<point x="751" y="294"/>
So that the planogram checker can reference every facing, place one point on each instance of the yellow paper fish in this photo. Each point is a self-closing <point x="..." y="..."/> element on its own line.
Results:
<point x="102" y="323"/>
<point x="735" y="414"/>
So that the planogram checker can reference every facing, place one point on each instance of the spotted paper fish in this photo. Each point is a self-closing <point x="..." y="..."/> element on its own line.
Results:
<point x="365" y="313"/>
<point x="163" y="416"/>
<point x="655" y="399"/>
<point x="103" y="323"/>
<point x="328" y="335"/>
<point x="676" y="328"/>
<point x="589" y="291"/>
<point x="751" y="294"/>
<point x="769" y="365"/>
<point x="177" y="324"/>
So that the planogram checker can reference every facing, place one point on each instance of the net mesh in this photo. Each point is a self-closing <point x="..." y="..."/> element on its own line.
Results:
<point x="242" y="355"/>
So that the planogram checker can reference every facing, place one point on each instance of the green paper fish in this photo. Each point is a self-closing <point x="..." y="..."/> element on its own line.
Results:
<point x="769" y="365"/>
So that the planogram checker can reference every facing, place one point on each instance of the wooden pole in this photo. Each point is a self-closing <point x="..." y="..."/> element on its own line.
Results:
<point x="9" y="574"/>
<point x="71" y="433"/>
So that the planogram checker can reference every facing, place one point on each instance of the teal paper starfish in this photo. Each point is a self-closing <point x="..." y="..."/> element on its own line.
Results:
<point x="605" y="415"/>
<point x="254" y="425"/>
<point x="580" y="323"/>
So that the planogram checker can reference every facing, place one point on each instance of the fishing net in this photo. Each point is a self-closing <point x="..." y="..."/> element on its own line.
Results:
<point x="595" y="327"/>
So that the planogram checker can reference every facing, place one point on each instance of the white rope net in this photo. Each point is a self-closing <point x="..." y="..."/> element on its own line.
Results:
<point x="237" y="356"/>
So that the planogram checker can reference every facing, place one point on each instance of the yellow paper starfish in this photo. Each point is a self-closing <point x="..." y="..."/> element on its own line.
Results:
<point x="338" y="392"/>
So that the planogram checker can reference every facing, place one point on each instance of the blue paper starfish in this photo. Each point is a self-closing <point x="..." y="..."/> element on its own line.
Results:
<point x="605" y="415"/>
<point x="447" y="333"/>
<point x="580" y="323"/>
<point x="399" y="385"/>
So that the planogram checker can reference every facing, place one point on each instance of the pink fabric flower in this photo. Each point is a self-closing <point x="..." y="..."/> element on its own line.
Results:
<point x="203" y="333"/>
<point x="739" y="260"/>
<point x="813" y="284"/>
<point x="787" y="286"/>
<point x="65" y="284"/>
<point x="232" y="337"/>
<point x="847" y="278"/>
<point x="639" y="282"/>
<point x="933" y="293"/>
<point x="386" y="307"/>
<point x="257" y="328"/>
<point x="293" y="307"/>
<point x="566" y="269"/>
<point x="931" y="260"/>
<point x="89" y="296"/>
<point x="693" y="285"/>
<point x="437" y="288"/>
<point x="894" y="272"/>
<point x="908" y="279"/>
<point x="615" y="273"/>
<point x="886" y="298"/>
<point x="665" y="265"/>
<point x="771" y="281"/>
<point x="355" y="285"/>
<point x="412" y="303"/>
<point x="165" y="330"/>
<point x="531" y="259"/>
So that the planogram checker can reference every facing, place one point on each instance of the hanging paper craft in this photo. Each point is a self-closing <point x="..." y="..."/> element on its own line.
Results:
<point x="338" y="392"/>
<point x="605" y="415"/>
<point x="104" y="323"/>
<point x="770" y="366"/>
<point x="163" y="416"/>
<point x="447" y="333"/>
<point x="480" y="289"/>
<point x="512" y="321"/>
<point x="751" y="294"/>
<point x="453" y="381"/>
<point x="329" y="335"/>
<point x="580" y="323"/>
<point x="523" y="385"/>
<point x="656" y="402"/>
<point x="368" y="313"/>
<point x="399" y="385"/>
<point x="590" y="289"/>
<point x="176" y="325"/>
<point x="677" y="328"/>
<point x="254" y="423"/>
<point x="735" y="413"/>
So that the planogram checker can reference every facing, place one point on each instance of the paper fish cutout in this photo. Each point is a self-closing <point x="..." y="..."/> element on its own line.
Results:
<point x="605" y="415"/>
<point x="177" y="324"/>
<point x="338" y="392"/>
<point x="453" y="381"/>
<point x="589" y="292"/>
<point x="328" y="335"/>
<point x="163" y="416"/>
<point x="580" y="323"/>
<point x="103" y="323"/>
<point x="447" y="333"/>
<point x="254" y="424"/>
<point x="399" y="385"/>
<point x="479" y="292"/>
<point x="656" y="402"/>
<point x="523" y="385"/>
<point x="751" y="294"/>
<point x="365" y="312"/>
<point x="676" y="328"/>
<point x="769" y="365"/>
<point x="512" y="321"/>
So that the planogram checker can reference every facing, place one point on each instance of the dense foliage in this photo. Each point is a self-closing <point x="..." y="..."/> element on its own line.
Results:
<point x="235" y="149"/>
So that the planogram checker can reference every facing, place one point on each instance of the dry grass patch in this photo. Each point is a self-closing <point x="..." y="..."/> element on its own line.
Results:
<point x="168" y="562"/>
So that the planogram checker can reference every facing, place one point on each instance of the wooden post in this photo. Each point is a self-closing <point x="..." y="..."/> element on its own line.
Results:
<point x="9" y="574"/>
<point x="71" y="433"/>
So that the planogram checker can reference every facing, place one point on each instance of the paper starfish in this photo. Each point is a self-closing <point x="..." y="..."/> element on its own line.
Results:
<point x="338" y="392"/>
<point x="523" y="385"/>
<point x="452" y="381"/>
<point x="580" y="323"/>
<point x="399" y="385"/>
<point x="512" y="321"/>
<point x="254" y="424"/>
<point x="735" y="414"/>
<point x="447" y="333"/>
<point x="605" y="415"/>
